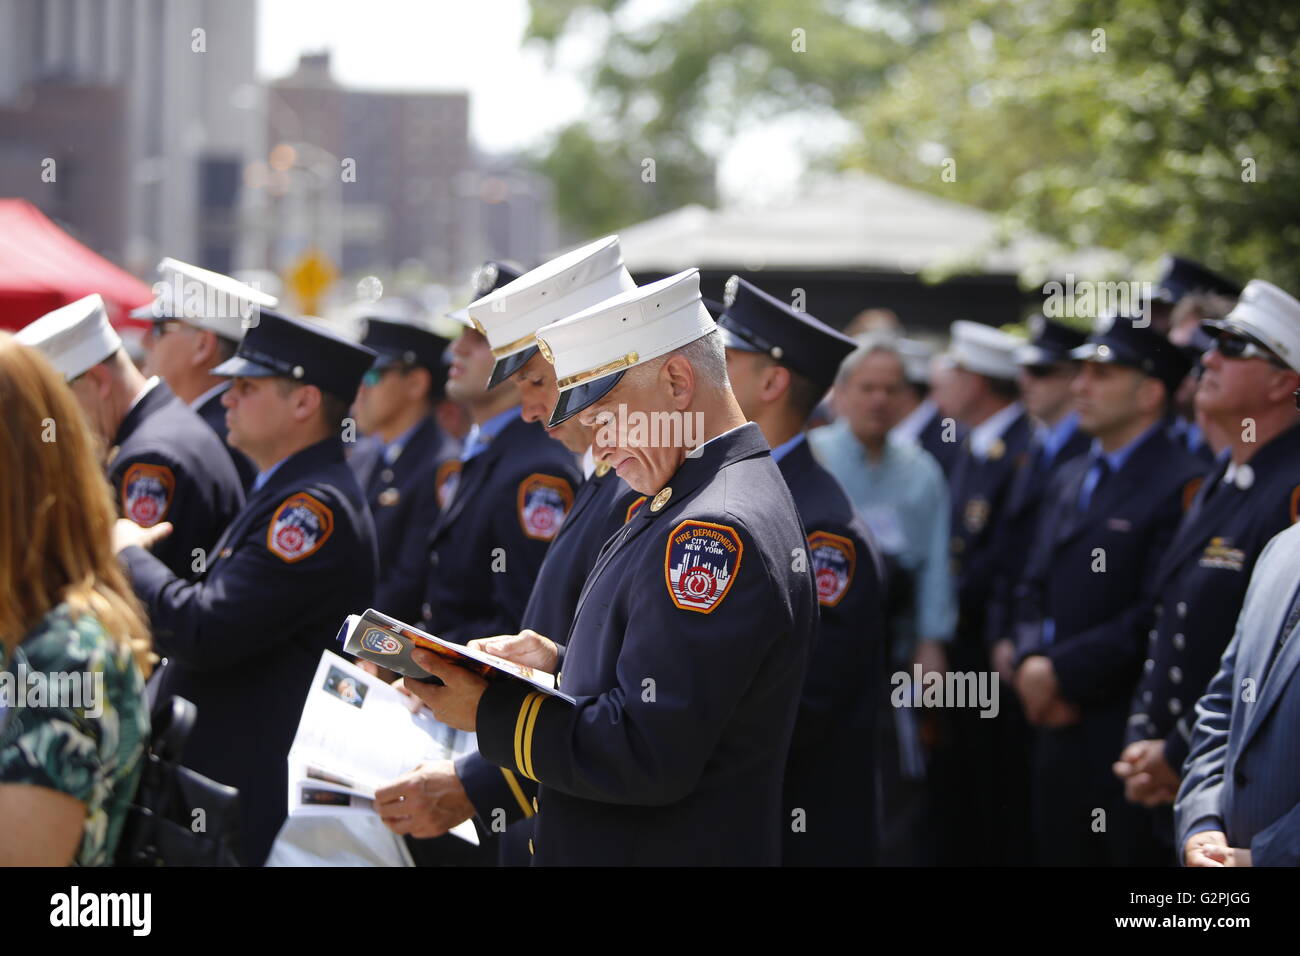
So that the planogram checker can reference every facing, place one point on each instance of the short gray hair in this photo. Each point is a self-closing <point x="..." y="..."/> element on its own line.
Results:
<point x="869" y="344"/>
<point x="707" y="356"/>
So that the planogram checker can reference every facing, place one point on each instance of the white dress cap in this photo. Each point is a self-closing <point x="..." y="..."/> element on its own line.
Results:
<point x="983" y="349"/>
<point x="627" y="330"/>
<point x="510" y="315"/>
<point x="1271" y="317"/>
<point x="75" y="337"/>
<point x="916" y="356"/>
<point x="206" y="299"/>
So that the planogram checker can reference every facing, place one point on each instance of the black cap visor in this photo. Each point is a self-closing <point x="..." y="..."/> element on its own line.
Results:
<point x="240" y="367"/>
<point x="509" y="364"/>
<point x="574" y="400"/>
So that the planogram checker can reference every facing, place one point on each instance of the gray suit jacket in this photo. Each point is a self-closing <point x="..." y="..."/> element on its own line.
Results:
<point x="1242" y="775"/>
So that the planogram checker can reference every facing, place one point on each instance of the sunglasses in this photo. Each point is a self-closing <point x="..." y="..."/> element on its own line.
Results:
<point x="1044" y="371"/>
<point x="374" y="376"/>
<point x="1236" y="347"/>
<point x="159" y="329"/>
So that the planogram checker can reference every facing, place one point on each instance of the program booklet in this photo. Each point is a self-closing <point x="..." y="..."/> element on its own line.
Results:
<point x="388" y="642"/>
<point x="356" y="735"/>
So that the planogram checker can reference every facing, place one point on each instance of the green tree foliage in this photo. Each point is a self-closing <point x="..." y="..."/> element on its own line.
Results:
<point x="1144" y="126"/>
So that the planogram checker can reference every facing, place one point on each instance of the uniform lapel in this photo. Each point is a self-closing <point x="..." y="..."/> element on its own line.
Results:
<point x="473" y="475"/>
<point x="587" y="492"/>
<point x="1200" y="520"/>
<point x="1275" y="682"/>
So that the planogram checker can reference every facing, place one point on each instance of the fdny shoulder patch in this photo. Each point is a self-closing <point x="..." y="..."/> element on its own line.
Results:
<point x="635" y="506"/>
<point x="544" y="500"/>
<point x="299" y="528"/>
<point x="445" y="480"/>
<point x="834" y="558"/>
<point x="147" y="492"/>
<point x="701" y="562"/>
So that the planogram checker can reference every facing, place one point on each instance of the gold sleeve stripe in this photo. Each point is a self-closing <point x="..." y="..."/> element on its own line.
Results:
<point x="524" y="709"/>
<point x="513" y="782"/>
<point x="528" y="737"/>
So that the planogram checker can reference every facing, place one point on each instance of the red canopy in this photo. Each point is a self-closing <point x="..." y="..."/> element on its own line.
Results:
<point x="43" y="268"/>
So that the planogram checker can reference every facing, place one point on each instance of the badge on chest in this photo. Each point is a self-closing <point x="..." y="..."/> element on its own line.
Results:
<point x="1220" y="555"/>
<point x="976" y="515"/>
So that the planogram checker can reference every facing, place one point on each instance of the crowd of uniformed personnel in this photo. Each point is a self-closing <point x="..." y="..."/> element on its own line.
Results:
<point x="1077" y="514"/>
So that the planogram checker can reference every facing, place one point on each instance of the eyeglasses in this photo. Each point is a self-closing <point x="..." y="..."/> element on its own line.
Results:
<point x="374" y="376"/>
<point x="1237" y="347"/>
<point x="1045" y="371"/>
<point x="159" y="329"/>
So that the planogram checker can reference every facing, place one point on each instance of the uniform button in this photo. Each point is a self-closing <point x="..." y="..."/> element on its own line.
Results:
<point x="1146" y="697"/>
<point x="1148" y="665"/>
<point x="1179" y="642"/>
<point x="386" y="475"/>
<point x="426" y="611"/>
<point x="1159" y="608"/>
<point x="534" y="804"/>
<point x="1152" y="634"/>
<point x="1175" y="675"/>
<point x="433" y="558"/>
<point x="531" y="851"/>
<point x="1175" y="706"/>
<point x="1182" y="609"/>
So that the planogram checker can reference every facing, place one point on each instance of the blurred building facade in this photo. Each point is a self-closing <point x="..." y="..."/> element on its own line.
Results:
<point x="149" y="111"/>
<point x="406" y="184"/>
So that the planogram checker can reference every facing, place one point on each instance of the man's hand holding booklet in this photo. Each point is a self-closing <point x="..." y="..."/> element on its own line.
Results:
<point x="390" y="643"/>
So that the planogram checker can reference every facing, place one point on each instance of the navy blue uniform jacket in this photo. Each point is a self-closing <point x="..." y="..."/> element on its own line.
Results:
<point x="1201" y="585"/>
<point x="687" y="656"/>
<point x="403" y="500"/>
<point x="603" y="504"/>
<point x="169" y="466"/>
<point x="980" y="490"/>
<point x="830" y="774"/>
<point x="1096" y="650"/>
<point x="244" y="637"/>
<point x="487" y="545"/>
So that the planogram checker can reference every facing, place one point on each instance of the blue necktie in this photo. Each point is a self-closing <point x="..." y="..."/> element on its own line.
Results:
<point x="1095" y="478"/>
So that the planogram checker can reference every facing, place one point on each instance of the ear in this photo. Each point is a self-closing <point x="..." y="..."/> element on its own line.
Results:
<point x="776" y="381"/>
<point x="419" y="381"/>
<point x="306" y="403"/>
<point x="679" y="377"/>
<point x="1152" y="394"/>
<point x="102" y="376"/>
<point x="205" y="346"/>
<point x="1282" y="386"/>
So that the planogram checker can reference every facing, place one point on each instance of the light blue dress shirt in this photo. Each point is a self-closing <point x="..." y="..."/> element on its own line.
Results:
<point x="481" y="435"/>
<point x="904" y="500"/>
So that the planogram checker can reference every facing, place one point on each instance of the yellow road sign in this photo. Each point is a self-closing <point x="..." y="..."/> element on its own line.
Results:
<point x="310" y="278"/>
